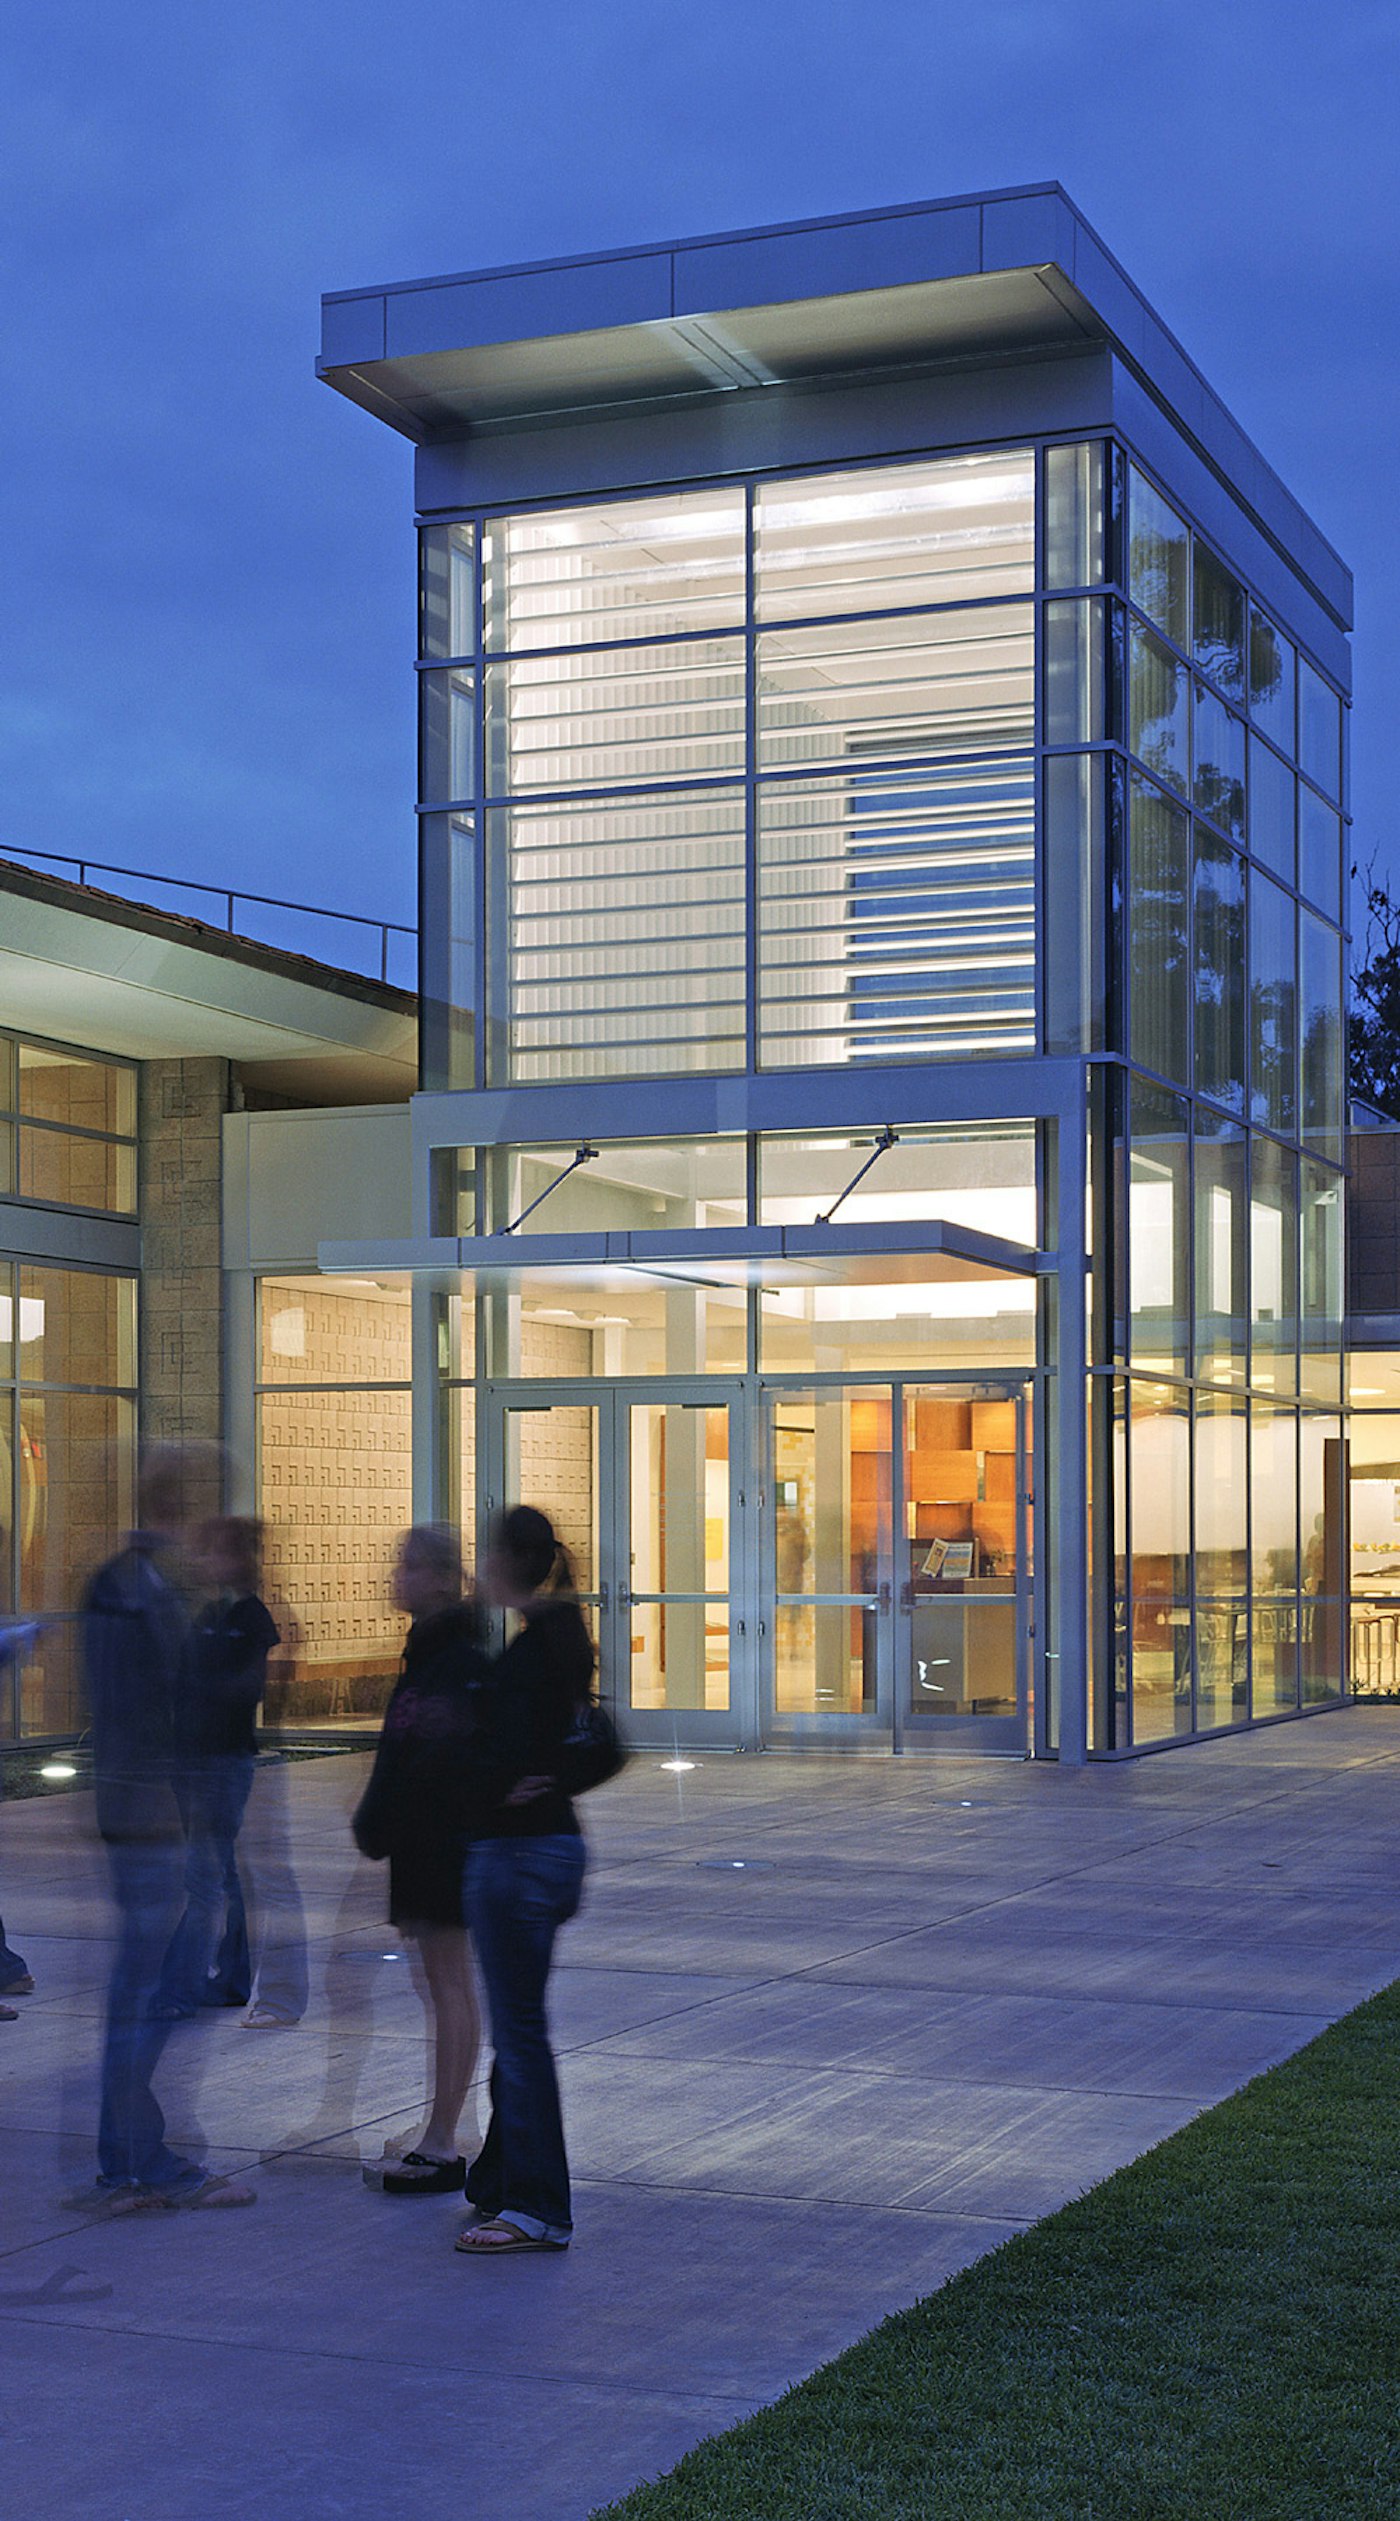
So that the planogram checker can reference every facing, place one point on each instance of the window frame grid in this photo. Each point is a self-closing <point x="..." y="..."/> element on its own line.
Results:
<point x="15" y="1389"/>
<point x="493" y="976"/>
<point x="1241" y="708"/>
<point x="19" y="1122"/>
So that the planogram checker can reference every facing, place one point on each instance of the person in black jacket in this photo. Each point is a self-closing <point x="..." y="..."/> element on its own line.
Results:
<point x="524" y="1879"/>
<point x="15" y="1978"/>
<point x="224" y="1674"/>
<point x="136" y="1629"/>
<point x="413" y="1813"/>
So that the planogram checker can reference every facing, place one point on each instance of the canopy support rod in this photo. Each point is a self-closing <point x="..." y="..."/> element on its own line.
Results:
<point x="888" y="1138"/>
<point x="584" y="1154"/>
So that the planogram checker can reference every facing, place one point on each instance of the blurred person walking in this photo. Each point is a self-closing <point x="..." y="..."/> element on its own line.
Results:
<point x="541" y="1741"/>
<point x="224" y="1677"/>
<point x="136" y="1632"/>
<point x="276" y="1919"/>
<point x="412" y="1814"/>
<point x="15" y="1979"/>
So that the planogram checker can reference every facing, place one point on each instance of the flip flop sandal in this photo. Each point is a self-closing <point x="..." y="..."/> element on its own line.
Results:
<point x="106" y="2202"/>
<point x="210" y="2193"/>
<point x="473" y="2243"/>
<point x="8" y="2014"/>
<point x="423" y="2175"/>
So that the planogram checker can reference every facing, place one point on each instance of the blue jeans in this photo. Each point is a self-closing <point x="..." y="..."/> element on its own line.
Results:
<point x="13" y="1965"/>
<point x="214" y="1796"/>
<point x="147" y="1882"/>
<point x="518" y="1892"/>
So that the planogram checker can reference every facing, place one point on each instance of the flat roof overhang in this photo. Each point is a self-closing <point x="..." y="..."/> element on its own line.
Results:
<point x="930" y="1252"/>
<point x="664" y="358"/>
<point x="975" y="278"/>
<point x="79" y="965"/>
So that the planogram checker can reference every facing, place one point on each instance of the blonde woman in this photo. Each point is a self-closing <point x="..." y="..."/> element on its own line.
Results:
<point x="411" y="1814"/>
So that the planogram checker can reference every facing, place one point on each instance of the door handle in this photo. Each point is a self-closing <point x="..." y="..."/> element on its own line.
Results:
<point x="603" y="1595"/>
<point x="624" y="1598"/>
<point x="882" y="1595"/>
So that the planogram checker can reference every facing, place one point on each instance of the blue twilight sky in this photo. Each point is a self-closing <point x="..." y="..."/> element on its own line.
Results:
<point x="207" y="566"/>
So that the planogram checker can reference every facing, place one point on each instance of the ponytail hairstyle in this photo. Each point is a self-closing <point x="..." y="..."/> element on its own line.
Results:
<point x="531" y="1548"/>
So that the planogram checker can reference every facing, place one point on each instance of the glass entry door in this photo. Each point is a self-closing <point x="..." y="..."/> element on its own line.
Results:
<point x="895" y="1558"/>
<point x="642" y="1485"/>
<point x="964" y="1584"/>
<point x="820" y="1561"/>
<point x="828" y="1562"/>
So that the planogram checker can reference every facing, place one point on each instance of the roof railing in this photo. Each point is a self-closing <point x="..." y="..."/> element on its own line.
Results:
<point x="378" y="933"/>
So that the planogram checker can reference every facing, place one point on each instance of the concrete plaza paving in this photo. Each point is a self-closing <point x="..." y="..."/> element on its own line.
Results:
<point x="935" y="2000"/>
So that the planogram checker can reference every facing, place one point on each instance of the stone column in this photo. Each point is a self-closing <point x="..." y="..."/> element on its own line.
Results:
<point x="183" y="1102"/>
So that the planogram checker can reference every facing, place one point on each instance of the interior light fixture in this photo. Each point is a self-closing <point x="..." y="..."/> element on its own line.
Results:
<point x="59" y="1770"/>
<point x="679" y="1767"/>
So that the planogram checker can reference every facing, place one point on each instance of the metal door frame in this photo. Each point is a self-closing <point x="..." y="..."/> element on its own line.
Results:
<point x="828" y="1727"/>
<point x="612" y="1399"/>
<point x="890" y="1724"/>
<point x="1009" y="1736"/>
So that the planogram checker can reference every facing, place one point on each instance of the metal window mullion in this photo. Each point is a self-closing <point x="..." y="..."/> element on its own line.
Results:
<point x="700" y="634"/>
<point x="540" y="801"/>
<point x="72" y="1129"/>
<point x="74" y="1050"/>
<point x="1038" y="811"/>
<point x="483" y="1013"/>
<point x="1124" y="1381"/>
<point x="34" y="1387"/>
<point x="751" y="889"/>
<point x="899" y="1630"/>
<point x="1192" y="1588"/>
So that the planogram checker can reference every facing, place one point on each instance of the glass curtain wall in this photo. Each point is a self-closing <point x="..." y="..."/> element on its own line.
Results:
<point x="1221" y="1357"/>
<point x="67" y="1462"/>
<point x="751" y="771"/>
<point x="1373" y="1432"/>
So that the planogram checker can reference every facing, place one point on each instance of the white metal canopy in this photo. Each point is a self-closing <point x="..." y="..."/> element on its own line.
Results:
<point x="928" y="1251"/>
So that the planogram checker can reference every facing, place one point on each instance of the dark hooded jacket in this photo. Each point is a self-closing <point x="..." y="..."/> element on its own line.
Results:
<point x="135" y="1631"/>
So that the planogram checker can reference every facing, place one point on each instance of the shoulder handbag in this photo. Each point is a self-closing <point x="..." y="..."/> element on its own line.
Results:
<point x="593" y="1749"/>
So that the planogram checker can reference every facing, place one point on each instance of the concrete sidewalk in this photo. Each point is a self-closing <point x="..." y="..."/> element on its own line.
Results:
<point x="931" y="2002"/>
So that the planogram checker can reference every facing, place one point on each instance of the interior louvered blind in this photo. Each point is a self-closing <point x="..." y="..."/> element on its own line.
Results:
<point x="897" y="914"/>
<point x="625" y="933"/>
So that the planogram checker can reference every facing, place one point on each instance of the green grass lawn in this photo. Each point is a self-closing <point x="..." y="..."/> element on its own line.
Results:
<point x="1212" y="2335"/>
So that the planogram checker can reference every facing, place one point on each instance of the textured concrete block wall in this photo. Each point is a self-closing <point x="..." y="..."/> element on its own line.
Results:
<point x="336" y="1480"/>
<point x="183" y="1102"/>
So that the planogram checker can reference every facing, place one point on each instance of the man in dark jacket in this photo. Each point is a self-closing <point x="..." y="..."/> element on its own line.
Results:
<point x="224" y="1678"/>
<point x="136" y="1629"/>
<point x="15" y="1979"/>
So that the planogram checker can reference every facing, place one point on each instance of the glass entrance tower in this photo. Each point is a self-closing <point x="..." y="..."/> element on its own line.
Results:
<point x="880" y="1157"/>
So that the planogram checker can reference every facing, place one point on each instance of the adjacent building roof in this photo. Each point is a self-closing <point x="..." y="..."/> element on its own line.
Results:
<point x="980" y="276"/>
<point x="83" y="966"/>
